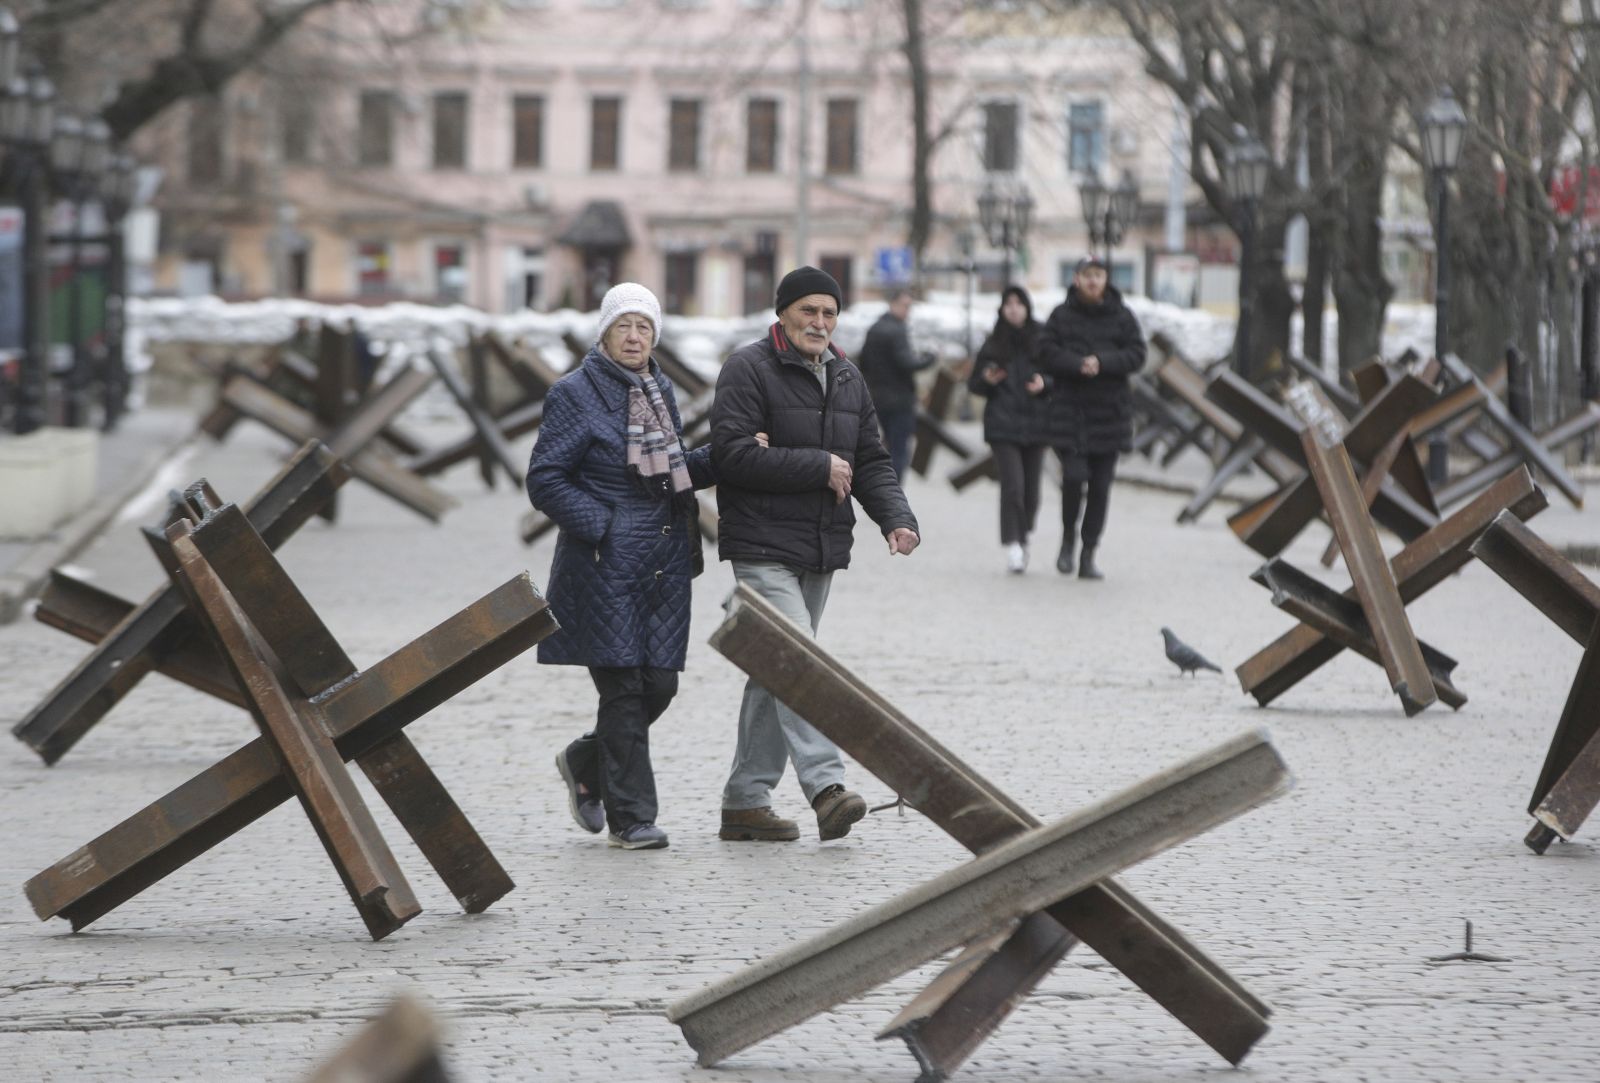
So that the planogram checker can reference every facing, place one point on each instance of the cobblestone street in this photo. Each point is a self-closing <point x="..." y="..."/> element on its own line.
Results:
<point x="251" y="963"/>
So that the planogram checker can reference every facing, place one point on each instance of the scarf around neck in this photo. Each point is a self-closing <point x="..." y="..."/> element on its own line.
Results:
<point x="654" y="453"/>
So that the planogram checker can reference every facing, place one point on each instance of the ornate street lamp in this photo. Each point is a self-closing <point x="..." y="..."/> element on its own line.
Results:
<point x="1005" y="218"/>
<point x="1107" y="212"/>
<point x="79" y="153"/>
<point x="1444" y="126"/>
<point x="117" y="185"/>
<point x="1245" y="175"/>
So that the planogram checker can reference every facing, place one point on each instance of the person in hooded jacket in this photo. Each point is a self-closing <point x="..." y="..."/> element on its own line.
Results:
<point x="1090" y="346"/>
<point x="609" y="468"/>
<point x="1013" y="418"/>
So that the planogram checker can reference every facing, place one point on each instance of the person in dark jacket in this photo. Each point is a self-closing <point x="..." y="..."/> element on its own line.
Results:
<point x="609" y="468"/>
<point x="890" y="366"/>
<point x="793" y="436"/>
<point x="1013" y="418"/>
<point x="1089" y="347"/>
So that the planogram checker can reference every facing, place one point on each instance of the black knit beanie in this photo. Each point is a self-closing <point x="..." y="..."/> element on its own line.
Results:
<point x="803" y="282"/>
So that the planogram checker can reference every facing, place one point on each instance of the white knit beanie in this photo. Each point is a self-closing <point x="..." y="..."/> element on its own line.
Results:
<point x="626" y="297"/>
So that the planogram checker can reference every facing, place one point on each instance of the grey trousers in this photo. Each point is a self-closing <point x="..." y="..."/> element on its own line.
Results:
<point x="770" y="734"/>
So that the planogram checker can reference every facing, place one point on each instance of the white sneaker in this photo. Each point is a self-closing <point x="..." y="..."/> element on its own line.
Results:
<point x="1016" y="558"/>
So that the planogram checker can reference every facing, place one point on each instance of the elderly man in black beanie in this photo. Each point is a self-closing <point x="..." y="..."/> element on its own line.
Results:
<point x="793" y="437"/>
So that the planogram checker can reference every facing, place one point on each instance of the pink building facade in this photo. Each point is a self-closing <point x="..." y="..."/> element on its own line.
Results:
<point x="534" y="152"/>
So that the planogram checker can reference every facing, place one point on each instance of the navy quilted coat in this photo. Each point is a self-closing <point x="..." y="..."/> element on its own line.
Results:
<point x="619" y="582"/>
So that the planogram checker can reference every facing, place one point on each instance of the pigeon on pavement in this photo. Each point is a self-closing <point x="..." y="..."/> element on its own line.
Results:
<point x="1185" y="657"/>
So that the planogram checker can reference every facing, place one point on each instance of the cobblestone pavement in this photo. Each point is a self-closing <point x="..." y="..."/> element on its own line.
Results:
<point x="251" y="963"/>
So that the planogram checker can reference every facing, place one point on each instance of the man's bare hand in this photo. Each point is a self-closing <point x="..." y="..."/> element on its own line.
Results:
<point x="993" y="374"/>
<point x="839" y="477"/>
<point x="1091" y="366"/>
<point x="761" y="438"/>
<point x="902" y="539"/>
<point x="1035" y="384"/>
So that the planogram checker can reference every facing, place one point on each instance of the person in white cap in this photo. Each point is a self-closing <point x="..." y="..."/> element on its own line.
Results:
<point x="610" y="470"/>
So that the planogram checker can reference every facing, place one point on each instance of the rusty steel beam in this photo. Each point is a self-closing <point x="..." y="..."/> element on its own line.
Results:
<point x="400" y="1046"/>
<point x="359" y="714"/>
<point x="158" y="627"/>
<point x="973" y="470"/>
<point x="518" y="422"/>
<point x="528" y="368"/>
<point x="1015" y="879"/>
<point x="1538" y="572"/>
<point x="1257" y="413"/>
<point x="1239" y="458"/>
<point x="92" y="614"/>
<point x="1370" y="573"/>
<point x="377" y="470"/>
<point x="535" y="524"/>
<point x="1330" y="613"/>
<point x="1530" y="447"/>
<point x="310" y="763"/>
<point x="938" y="408"/>
<point x="1418" y="568"/>
<point x="1569" y="783"/>
<point x="1271" y="523"/>
<point x="490" y="440"/>
<point x="1154" y="955"/>
<point x="932" y="430"/>
<point x="971" y="997"/>
<point x="1585" y="419"/>
<point x="1348" y="403"/>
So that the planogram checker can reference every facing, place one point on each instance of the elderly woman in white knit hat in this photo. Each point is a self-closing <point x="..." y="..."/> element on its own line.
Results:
<point x="610" y="469"/>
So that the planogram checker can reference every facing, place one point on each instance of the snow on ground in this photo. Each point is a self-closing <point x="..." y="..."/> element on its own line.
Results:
<point x="941" y="323"/>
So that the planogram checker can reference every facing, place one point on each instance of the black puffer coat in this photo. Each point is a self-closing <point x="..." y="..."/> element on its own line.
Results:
<point x="1012" y="415"/>
<point x="1090" y="415"/>
<point x="890" y="365"/>
<point x="774" y="502"/>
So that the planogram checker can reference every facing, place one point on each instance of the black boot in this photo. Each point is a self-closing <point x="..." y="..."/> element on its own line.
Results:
<point x="1086" y="568"/>
<point x="1064" y="559"/>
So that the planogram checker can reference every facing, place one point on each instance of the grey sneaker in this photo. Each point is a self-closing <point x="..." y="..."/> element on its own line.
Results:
<point x="639" y="837"/>
<point x="837" y="808"/>
<point x="756" y="825"/>
<point x="585" y="807"/>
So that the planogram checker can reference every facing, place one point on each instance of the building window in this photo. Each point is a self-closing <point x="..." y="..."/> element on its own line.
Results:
<point x="605" y="123"/>
<point x="761" y="136"/>
<point x="525" y="283"/>
<point x="683" y="135"/>
<point x="1086" y="137"/>
<point x="682" y="268"/>
<point x="527" y="131"/>
<point x="840" y="268"/>
<point x="843" y="135"/>
<point x="1000" y="137"/>
<point x="205" y="140"/>
<point x="450" y="273"/>
<point x="372" y="268"/>
<point x="296" y="128"/>
<point x="450" y="130"/>
<point x="375" y="138"/>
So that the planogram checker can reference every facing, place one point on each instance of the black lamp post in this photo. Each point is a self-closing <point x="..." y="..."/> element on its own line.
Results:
<point x="80" y="151"/>
<point x="1444" y="126"/>
<point x="1107" y="212"/>
<point x="27" y="117"/>
<point x="116" y="191"/>
<point x="1005" y="218"/>
<point x="1245" y="174"/>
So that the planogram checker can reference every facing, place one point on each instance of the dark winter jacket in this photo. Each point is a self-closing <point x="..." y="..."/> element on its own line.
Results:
<point x="1090" y="415"/>
<point x="1012" y="414"/>
<point x="774" y="502"/>
<point x="619" y="582"/>
<point x="889" y="365"/>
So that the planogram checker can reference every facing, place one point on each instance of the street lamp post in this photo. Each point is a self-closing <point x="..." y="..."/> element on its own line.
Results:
<point x="27" y="117"/>
<point x="1245" y="174"/>
<point x="1005" y="218"/>
<point x="1107" y="212"/>
<point x="117" y="193"/>
<point x="1443" y="127"/>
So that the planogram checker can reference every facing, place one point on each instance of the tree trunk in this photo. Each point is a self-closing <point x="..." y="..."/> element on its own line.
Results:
<point x="921" y="225"/>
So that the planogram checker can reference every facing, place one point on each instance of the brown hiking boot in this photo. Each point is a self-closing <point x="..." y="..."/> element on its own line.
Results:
<point x="757" y="825"/>
<point x="837" y="808"/>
